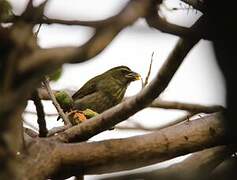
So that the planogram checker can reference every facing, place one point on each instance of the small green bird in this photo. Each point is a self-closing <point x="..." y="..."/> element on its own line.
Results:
<point x="105" y="90"/>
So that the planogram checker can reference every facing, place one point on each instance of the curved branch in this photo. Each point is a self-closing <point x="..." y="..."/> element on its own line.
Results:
<point x="53" y="57"/>
<point x="154" y="20"/>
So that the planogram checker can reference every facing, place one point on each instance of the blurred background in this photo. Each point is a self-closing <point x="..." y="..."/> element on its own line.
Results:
<point x="198" y="80"/>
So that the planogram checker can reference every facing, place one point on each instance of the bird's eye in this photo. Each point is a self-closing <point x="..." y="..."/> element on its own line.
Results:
<point x="125" y="71"/>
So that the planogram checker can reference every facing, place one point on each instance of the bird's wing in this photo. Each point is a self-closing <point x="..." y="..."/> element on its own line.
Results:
<point x="86" y="89"/>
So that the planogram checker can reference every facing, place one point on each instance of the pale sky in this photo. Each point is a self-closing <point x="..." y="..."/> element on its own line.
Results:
<point x="198" y="80"/>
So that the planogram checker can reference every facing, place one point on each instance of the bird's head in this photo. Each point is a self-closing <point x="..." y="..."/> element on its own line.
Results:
<point x="123" y="74"/>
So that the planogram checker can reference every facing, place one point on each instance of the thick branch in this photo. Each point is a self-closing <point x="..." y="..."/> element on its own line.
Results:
<point x="103" y="157"/>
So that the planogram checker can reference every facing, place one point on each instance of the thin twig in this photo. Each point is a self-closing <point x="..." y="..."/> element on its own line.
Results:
<point x="56" y="104"/>
<point x="195" y="108"/>
<point x="40" y="113"/>
<point x="46" y="114"/>
<point x="149" y="72"/>
<point x="38" y="29"/>
<point x="137" y="126"/>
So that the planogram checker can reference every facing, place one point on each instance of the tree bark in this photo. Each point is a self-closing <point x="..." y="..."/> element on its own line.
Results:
<point x="66" y="160"/>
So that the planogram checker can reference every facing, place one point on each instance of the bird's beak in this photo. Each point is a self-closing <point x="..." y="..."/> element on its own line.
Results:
<point x="134" y="76"/>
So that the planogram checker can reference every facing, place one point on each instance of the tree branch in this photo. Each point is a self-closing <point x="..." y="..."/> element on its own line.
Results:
<point x="94" y="24"/>
<point x="46" y="114"/>
<point x="198" y="166"/>
<point x="45" y="59"/>
<point x="196" y="4"/>
<point x="103" y="157"/>
<point x="48" y="20"/>
<point x="40" y="113"/>
<point x="154" y="20"/>
<point x="149" y="72"/>
<point x="194" y="108"/>
<point x="56" y="104"/>
<point x="139" y="126"/>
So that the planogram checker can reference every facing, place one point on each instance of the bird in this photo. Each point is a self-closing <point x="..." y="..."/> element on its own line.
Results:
<point x="105" y="90"/>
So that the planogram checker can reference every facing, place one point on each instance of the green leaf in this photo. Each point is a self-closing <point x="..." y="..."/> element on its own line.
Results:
<point x="89" y="113"/>
<point x="64" y="100"/>
<point x="56" y="75"/>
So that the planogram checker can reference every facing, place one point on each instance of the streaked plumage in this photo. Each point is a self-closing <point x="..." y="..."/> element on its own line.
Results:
<point x="105" y="90"/>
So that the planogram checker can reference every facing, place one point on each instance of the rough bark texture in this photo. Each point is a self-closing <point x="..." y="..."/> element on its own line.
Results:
<point x="65" y="160"/>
